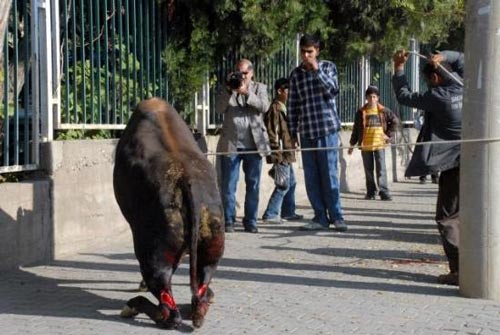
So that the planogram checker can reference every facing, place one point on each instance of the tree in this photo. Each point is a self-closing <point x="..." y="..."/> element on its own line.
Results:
<point x="203" y="31"/>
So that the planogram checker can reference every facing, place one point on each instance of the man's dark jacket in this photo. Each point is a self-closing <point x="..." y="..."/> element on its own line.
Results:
<point x="443" y="112"/>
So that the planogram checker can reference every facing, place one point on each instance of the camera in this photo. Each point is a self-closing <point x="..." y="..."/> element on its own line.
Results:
<point x="235" y="80"/>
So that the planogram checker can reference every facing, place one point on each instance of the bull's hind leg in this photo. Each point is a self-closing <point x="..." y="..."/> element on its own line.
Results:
<point x="201" y="299"/>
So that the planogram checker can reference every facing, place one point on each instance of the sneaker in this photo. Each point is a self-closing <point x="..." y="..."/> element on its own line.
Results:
<point x="313" y="226"/>
<point x="339" y="225"/>
<point x="385" y="197"/>
<point x="229" y="229"/>
<point x="293" y="217"/>
<point x="448" y="279"/>
<point x="275" y="219"/>
<point x="370" y="197"/>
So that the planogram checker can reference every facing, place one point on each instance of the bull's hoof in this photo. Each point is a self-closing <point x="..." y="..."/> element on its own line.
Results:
<point x="199" y="310"/>
<point x="128" y="312"/>
<point x="172" y="319"/>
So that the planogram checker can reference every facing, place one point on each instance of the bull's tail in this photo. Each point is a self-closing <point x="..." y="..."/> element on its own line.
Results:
<point x="199" y="302"/>
<point x="194" y="223"/>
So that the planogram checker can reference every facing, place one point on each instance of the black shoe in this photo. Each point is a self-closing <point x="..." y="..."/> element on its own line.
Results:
<point x="229" y="229"/>
<point x="251" y="229"/>
<point x="435" y="180"/>
<point x="422" y="180"/>
<point x="369" y="197"/>
<point x="385" y="197"/>
<point x="293" y="217"/>
<point x="448" y="279"/>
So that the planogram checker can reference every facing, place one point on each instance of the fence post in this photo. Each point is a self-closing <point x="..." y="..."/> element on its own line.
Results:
<point x="46" y="65"/>
<point x="365" y="74"/>
<point x="414" y="71"/>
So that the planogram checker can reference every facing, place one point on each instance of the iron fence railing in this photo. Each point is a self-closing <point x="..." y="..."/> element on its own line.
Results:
<point x="17" y="129"/>
<point x="93" y="60"/>
<point x="112" y="59"/>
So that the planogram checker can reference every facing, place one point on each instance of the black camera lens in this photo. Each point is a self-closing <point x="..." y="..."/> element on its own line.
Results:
<point x="235" y="80"/>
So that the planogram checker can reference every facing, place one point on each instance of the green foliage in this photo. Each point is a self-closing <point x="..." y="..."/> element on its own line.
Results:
<point x="98" y="101"/>
<point x="78" y="134"/>
<point x="380" y="27"/>
<point x="201" y="32"/>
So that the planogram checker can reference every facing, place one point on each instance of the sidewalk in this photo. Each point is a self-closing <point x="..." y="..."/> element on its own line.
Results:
<point x="377" y="278"/>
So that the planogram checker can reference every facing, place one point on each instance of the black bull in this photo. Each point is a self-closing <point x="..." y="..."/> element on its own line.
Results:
<point x="167" y="191"/>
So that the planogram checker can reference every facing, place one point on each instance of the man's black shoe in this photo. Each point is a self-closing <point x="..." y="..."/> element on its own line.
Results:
<point x="293" y="217"/>
<point x="252" y="230"/>
<point x="369" y="197"/>
<point x="229" y="229"/>
<point x="385" y="197"/>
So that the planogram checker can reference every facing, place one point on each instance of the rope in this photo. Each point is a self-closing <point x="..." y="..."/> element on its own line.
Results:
<point x="403" y="144"/>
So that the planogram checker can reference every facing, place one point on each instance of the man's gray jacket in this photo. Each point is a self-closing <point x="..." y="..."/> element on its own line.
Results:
<point x="252" y="107"/>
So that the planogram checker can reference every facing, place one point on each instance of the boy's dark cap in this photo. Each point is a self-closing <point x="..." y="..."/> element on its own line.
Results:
<point x="372" y="89"/>
<point x="281" y="83"/>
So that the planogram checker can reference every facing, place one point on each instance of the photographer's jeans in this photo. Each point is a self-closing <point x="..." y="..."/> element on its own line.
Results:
<point x="282" y="201"/>
<point x="321" y="178"/>
<point x="252" y="167"/>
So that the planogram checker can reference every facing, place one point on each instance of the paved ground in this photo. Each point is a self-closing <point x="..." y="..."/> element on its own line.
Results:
<point x="378" y="278"/>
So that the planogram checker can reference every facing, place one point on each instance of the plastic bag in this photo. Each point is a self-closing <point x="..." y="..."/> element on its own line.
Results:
<point x="281" y="174"/>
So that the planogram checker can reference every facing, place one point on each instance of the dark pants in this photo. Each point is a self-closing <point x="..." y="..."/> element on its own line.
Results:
<point x="447" y="215"/>
<point x="375" y="159"/>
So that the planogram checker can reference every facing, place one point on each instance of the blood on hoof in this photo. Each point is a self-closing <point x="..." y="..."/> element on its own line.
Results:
<point x="200" y="304"/>
<point x="171" y="315"/>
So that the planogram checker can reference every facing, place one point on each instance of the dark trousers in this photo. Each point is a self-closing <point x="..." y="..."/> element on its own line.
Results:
<point x="447" y="215"/>
<point x="375" y="159"/>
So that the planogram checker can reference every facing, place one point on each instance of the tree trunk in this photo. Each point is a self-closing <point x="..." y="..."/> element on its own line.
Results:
<point x="4" y="20"/>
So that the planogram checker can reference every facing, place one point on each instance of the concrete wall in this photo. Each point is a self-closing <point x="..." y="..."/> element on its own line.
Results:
<point x="85" y="211"/>
<point x="25" y="223"/>
<point x="74" y="209"/>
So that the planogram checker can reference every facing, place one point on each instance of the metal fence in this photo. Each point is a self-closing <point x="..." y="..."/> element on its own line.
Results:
<point x="112" y="59"/>
<point x="92" y="60"/>
<point x="18" y="131"/>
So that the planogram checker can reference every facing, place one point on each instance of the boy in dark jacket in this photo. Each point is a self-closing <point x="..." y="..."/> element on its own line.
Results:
<point x="282" y="202"/>
<point x="374" y="125"/>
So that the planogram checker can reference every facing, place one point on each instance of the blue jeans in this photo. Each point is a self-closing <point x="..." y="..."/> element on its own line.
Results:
<point x="321" y="177"/>
<point x="282" y="201"/>
<point x="377" y="158"/>
<point x="252" y="167"/>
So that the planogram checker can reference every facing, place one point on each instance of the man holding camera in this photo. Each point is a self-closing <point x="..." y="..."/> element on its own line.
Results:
<point x="243" y="103"/>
